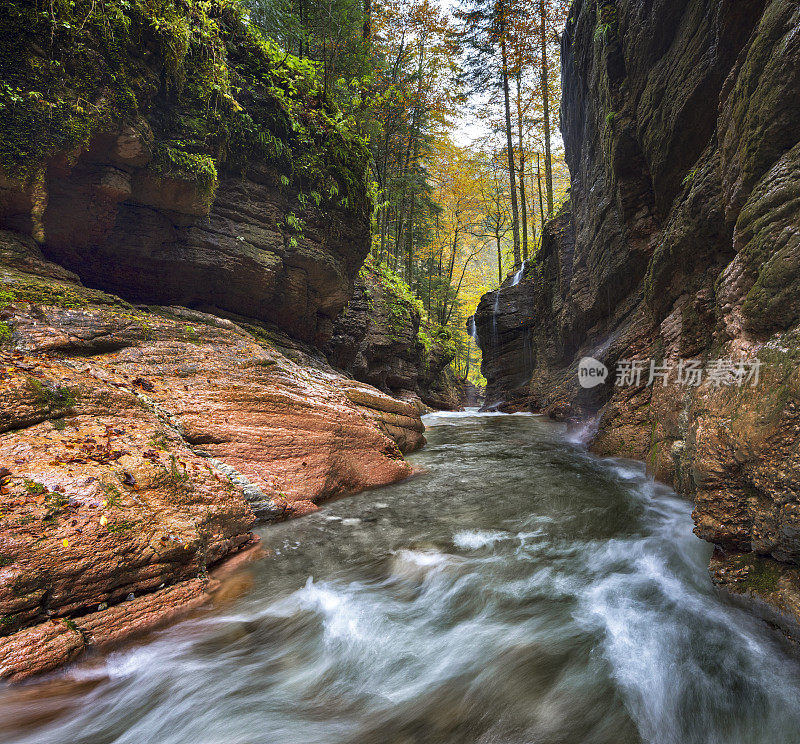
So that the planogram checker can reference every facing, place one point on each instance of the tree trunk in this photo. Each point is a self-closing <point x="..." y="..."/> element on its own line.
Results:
<point x="539" y="179"/>
<point x="510" y="147"/>
<point x="499" y="260"/>
<point x="367" y="30"/>
<point x="384" y="213"/>
<point x="523" y="202"/>
<point x="548" y="163"/>
<point x="410" y="242"/>
<point x="302" y="14"/>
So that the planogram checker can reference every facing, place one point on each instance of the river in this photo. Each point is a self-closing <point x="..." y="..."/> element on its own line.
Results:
<point x="518" y="589"/>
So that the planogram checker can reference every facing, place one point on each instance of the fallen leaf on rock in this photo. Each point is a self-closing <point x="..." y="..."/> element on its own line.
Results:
<point x="145" y="385"/>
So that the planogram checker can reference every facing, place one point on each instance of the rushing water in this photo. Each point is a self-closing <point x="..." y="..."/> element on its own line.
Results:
<point x="518" y="590"/>
<point x="518" y="274"/>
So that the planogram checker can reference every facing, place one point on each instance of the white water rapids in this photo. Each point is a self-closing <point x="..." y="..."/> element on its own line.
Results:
<point x="519" y="590"/>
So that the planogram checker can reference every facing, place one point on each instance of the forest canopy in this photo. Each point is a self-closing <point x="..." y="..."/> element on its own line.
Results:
<point x="458" y="102"/>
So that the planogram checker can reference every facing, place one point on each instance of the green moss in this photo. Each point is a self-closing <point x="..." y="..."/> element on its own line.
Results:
<point x="58" y="397"/>
<point x="176" y="473"/>
<point x="158" y="441"/>
<point x="5" y="333"/>
<point x="215" y="93"/>
<point x="190" y="335"/>
<point x="762" y="574"/>
<point x="393" y="285"/>
<point x="42" y="293"/>
<point x="34" y="488"/>
<point x="55" y="501"/>
<point x="772" y="301"/>
<point x="121" y="526"/>
<point x="111" y="493"/>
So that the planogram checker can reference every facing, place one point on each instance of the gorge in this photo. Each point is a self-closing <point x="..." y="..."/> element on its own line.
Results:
<point x="679" y="242"/>
<point x="239" y="249"/>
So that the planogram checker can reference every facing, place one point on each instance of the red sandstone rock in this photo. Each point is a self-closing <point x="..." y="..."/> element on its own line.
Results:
<point x="134" y="447"/>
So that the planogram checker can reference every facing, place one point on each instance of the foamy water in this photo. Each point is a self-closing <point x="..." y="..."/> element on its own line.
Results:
<point x="519" y="590"/>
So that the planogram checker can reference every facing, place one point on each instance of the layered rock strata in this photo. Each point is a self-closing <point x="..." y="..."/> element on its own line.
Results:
<point x="139" y="445"/>
<point x="382" y="339"/>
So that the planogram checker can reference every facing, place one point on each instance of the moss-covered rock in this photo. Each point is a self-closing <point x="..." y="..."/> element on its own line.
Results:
<point x="384" y="338"/>
<point x="167" y="152"/>
<point x="215" y="93"/>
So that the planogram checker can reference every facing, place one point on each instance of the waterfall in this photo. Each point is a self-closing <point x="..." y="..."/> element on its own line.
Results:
<point x="520" y="271"/>
<point x="495" y="311"/>
<point x="472" y="329"/>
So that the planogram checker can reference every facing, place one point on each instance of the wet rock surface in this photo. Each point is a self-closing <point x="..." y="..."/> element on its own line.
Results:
<point x="680" y="242"/>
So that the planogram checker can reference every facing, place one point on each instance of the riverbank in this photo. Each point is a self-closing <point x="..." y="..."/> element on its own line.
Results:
<point x="140" y="445"/>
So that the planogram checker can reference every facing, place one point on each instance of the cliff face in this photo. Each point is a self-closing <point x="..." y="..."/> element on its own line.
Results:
<point x="681" y="242"/>
<point x="169" y="154"/>
<point x="164" y="154"/>
<point x="381" y="339"/>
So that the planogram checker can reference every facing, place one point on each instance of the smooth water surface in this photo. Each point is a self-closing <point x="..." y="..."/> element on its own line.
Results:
<point x="518" y="590"/>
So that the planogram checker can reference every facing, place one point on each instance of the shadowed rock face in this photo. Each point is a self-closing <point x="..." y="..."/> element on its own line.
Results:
<point x="681" y="240"/>
<point x="160" y="241"/>
<point x="378" y="340"/>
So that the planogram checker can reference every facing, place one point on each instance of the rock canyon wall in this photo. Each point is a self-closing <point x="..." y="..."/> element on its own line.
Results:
<point x="183" y="215"/>
<point x="680" y="244"/>
<point x="382" y="339"/>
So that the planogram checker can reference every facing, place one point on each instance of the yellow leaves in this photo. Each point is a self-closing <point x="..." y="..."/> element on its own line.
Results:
<point x="65" y="542"/>
<point x="104" y="504"/>
<point x="104" y="520"/>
